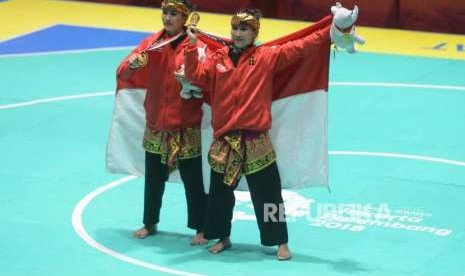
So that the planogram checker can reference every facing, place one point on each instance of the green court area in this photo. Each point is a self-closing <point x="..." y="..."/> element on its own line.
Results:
<point x="397" y="178"/>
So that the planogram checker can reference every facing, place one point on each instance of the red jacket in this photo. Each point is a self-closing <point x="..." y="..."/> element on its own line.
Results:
<point x="165" y="109"/>
<point x="241" y="95"/>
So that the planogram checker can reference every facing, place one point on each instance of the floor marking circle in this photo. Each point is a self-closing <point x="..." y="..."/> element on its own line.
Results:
<point x="76" y="220"/>
<point x="80" y="207"/>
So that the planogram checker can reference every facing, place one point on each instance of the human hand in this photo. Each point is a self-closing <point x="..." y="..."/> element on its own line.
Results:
<point x="192" y="34"/>
<point x="137" y="61"/>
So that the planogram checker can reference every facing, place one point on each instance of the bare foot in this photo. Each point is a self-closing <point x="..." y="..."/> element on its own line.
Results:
<point x="220" y="246"/>
<point x="198" y="239"/>
<point x="284" y="253"/>
<point x="145" y="231"/>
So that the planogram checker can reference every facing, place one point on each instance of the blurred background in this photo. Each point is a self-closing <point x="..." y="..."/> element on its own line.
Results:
<point x="445" y="16"/>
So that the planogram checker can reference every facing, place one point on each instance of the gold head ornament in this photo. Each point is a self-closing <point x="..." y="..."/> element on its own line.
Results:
<point x="246" y="18"/>
<point x="178" y="5"/>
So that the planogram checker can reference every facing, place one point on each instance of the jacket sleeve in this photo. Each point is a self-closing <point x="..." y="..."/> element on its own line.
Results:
<point x="282" y="55"/>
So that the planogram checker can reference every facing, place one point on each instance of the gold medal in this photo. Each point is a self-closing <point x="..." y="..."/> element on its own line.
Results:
<point x="194" y="19"/>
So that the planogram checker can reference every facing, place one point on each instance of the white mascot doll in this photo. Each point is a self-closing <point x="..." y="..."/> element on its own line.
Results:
<point x="343" y="28"/>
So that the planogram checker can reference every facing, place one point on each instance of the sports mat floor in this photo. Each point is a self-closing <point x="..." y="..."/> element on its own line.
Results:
<point x="397" y="153"/>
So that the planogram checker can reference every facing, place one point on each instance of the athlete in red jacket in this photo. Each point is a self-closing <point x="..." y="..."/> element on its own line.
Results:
<point x="240" y="79"/>
<point x="172" y="136"/>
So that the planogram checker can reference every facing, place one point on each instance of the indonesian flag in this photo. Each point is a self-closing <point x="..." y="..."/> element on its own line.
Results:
<point x="299" y="112"/>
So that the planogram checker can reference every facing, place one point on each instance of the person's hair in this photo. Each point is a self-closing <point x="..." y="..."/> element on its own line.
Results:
<point x="189" y="4"/>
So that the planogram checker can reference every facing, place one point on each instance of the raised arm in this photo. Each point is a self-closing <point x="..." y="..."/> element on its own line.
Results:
<point x="288" y="52"/>
<point x="197" y="72"/>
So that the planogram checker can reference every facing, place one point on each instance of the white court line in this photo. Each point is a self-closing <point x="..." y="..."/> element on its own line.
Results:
<point x="375" y="84"/>
<point x="76" y="220"/>
<point x="129" y="47"/>
<point x="401" y="156"/>
<point x="403" y="85"/>
<point x="76" y="217"/>
<point x="56" y="99"/>
<point x="68" y="51"/>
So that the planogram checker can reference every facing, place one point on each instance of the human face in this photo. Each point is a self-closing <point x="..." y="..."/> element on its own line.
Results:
<point x="173" y="21"/>
<point x="242" y="35"/>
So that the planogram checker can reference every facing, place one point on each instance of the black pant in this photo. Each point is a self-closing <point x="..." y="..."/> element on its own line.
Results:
<point x="156" y="174"/>
<point x="265" y="191"/>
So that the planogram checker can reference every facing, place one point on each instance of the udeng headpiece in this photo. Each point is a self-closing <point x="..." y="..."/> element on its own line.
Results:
<point x="178" y="5"/>
<point x="246" y="18"/>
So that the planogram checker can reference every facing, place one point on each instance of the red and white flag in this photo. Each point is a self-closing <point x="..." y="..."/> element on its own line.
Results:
<point x="299" y="131"/>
